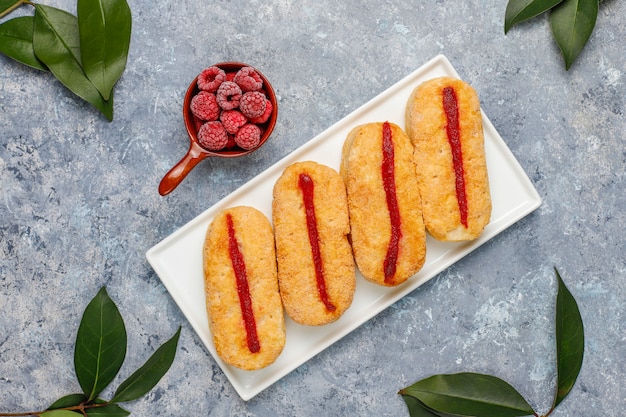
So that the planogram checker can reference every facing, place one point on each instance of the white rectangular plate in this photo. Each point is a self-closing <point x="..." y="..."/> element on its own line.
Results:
<point x="177" y="260"/>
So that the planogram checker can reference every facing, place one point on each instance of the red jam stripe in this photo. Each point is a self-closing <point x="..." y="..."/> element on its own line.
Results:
<point x="239" y="266"/>
<point x="451" y="108"/>
<point x="389" y="183"/>
<point x="307" y="186"/>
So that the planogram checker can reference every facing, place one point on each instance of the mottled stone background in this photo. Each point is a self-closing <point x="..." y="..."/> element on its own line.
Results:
<point x="79" y="205"/>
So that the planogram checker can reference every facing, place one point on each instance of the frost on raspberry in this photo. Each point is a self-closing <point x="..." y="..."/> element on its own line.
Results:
<point x="266" y="114"/>
<point x="228" y="95"/>
<point x="213" y="136"/>
<point x="204" y="106"/>
<point x="248" y="137"/>
<point x="248" y="79"/>
<point x="211" y="78"/>
<point x="232" y="120"/>
<point x="252" y="104"/>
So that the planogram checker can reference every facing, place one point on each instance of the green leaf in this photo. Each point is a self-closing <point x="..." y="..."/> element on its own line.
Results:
<point x="416" y="408"/>
<point x="146" y="377"/>
<point x="105" y="28"/>
<point x="7" y="4"/>
<point x="518" y="11"/>
<point x="570" y="341"/>
<point x="100" y="345"/>
<point x="572" y="23"/>
<point x="60" y="413"/>
<point x="16" y="41"/>
<point x="469" y="394"/>
<point x="111" y="410"/>
<point x="68" y="401"/>
<point x="56" y="43"/>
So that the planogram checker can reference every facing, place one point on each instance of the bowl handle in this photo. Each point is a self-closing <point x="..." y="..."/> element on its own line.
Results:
<point x="178" y="173"/>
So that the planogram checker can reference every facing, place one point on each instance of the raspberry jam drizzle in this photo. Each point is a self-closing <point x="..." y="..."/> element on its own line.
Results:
<point x="451" y="109"/>
<point x="307" y="186"/>
<point x="389" y="184"/>
<point x="245" y="301"/>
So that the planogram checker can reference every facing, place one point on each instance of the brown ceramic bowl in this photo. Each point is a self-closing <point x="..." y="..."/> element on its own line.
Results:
<point x="197" y="152"/>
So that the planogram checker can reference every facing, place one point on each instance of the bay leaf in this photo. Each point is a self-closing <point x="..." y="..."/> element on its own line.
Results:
<point x="56" y="43"/>
<point x="572" y="23"/>
<point x="100" y="345"/>
<point x="570" y="341"/>
<point x="416" y="408"/>
<point x="469" y="394"/>
<point x="5" y="5"/>
<point x="105" y="29"/>
<point x="16" y="41"/>
<point x="110" y="410"/>
<point x="68" y="401"/>
<point x="518" y="11"/>
<point x="146" y="377"/>
<point x="60" y="413"/>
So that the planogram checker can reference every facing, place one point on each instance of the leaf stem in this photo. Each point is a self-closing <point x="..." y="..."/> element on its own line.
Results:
<point x="80" y="407"/>
<point x="549" y="412"/>
<point x="6" y="12"/>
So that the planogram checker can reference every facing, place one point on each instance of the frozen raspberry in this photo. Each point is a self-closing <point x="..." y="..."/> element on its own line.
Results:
<point x="248" y="79"/>
<point x="228" y="95"/>
<point x="213" y="136"/>
<point x="232" y="120"/>
<point x="204" y="106"/>
<point x="231" y="142"/>
<point x="197" y="123"/>
<point x="266" y="114"/>
<point x="248" y="136"/>
<point x="230" y="76"/>
<point x="211" y="78"/>
<point x="252" y="104"/>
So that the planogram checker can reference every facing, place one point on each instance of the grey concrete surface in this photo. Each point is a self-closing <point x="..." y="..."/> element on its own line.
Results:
<point x="79" y="205"/>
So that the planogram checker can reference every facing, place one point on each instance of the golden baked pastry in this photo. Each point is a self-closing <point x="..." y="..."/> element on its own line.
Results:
<point x="316" y="271"/>
<point x="387" y="230"/>
<point x="244" y="308"/>
<point x="443" y="121"/>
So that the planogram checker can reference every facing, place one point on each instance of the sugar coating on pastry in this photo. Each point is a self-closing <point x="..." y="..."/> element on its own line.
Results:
<point x="254" y="244"/>
<point x="313" y="294"/>
<point x="370" y="218"/>
<point x="427" y="127"/>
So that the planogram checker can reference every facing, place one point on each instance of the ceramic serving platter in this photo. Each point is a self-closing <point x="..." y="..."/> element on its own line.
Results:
<point x="177" y="259"/>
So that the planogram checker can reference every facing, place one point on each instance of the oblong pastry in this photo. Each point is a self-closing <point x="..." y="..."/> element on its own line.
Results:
<point x="244" y="308"/>
<point x="443" y="121"/>
<point x="387" y="230"/>
<point x="316" y="271"/>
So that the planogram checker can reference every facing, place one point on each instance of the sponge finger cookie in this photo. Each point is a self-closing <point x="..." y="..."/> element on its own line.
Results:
<point x="316" y="269"/>
<point x="443" y="121"/>
<point x="387" y="230"/>
<point x="244" y="307"/>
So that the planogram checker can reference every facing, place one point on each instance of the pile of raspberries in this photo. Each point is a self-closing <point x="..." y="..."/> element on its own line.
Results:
<point x="229" y="108"/>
